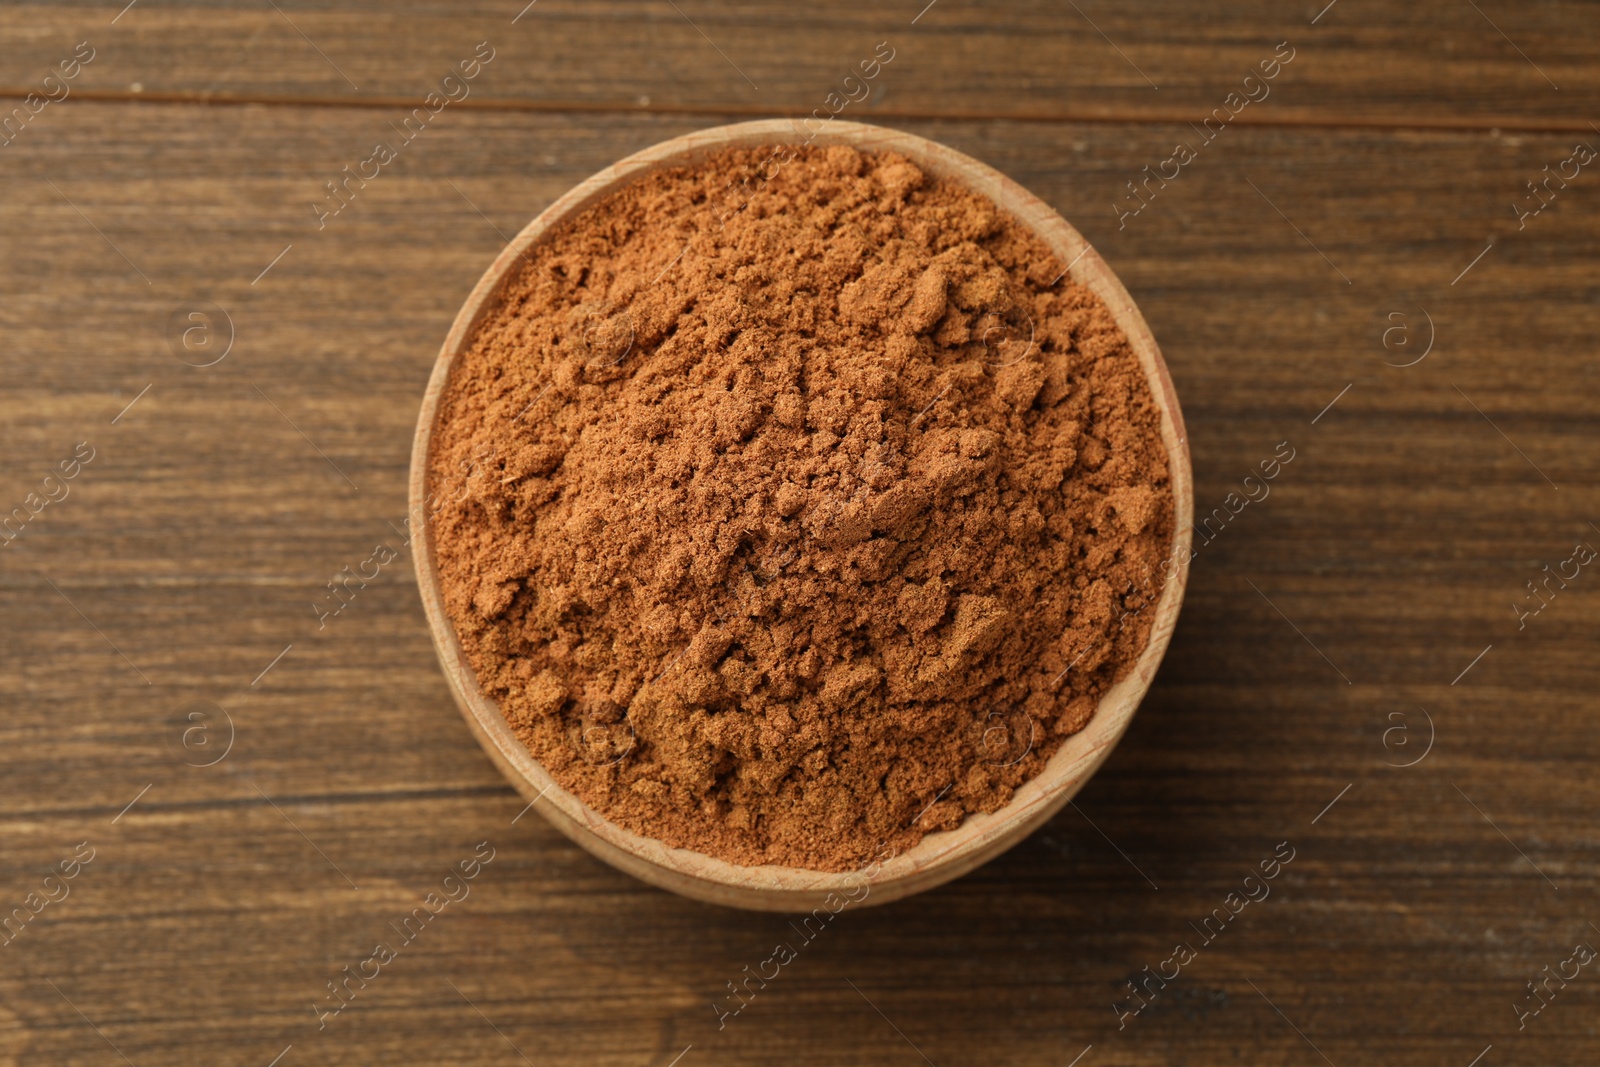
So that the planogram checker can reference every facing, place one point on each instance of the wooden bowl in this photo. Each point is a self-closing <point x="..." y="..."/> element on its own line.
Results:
<point x="939" y="857"/>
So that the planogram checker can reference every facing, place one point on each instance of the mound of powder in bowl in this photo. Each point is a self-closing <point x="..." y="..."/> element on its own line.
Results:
<point x="795" y="505"/>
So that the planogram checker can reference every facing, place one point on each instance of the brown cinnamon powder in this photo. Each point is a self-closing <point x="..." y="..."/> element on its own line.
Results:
<point x="774" y="512"/>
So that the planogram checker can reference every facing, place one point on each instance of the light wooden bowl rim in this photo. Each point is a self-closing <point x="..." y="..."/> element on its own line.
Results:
<point x="941" y="856"/>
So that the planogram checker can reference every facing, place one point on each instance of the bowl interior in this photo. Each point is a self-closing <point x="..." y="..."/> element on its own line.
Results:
<point x="939" y="856"/>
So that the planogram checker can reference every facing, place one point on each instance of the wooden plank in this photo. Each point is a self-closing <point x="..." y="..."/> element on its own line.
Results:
<point x="200" y="535"/>
<point x="1437" y="62"/>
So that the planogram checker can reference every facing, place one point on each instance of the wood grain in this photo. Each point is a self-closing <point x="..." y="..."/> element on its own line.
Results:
<point x="204" y="529"/>
<point x="1433" y="62"/>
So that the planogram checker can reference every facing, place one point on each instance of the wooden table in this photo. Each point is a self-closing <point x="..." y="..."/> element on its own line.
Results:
<point x="167" y="603"/>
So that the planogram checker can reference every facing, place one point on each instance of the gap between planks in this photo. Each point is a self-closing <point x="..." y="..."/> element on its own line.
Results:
<point x="246" y="801"/>
<point x="1281" y="120"/>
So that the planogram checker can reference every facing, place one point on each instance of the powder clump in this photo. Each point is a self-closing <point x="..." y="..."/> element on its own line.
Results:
<point x="794" y="510"/>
